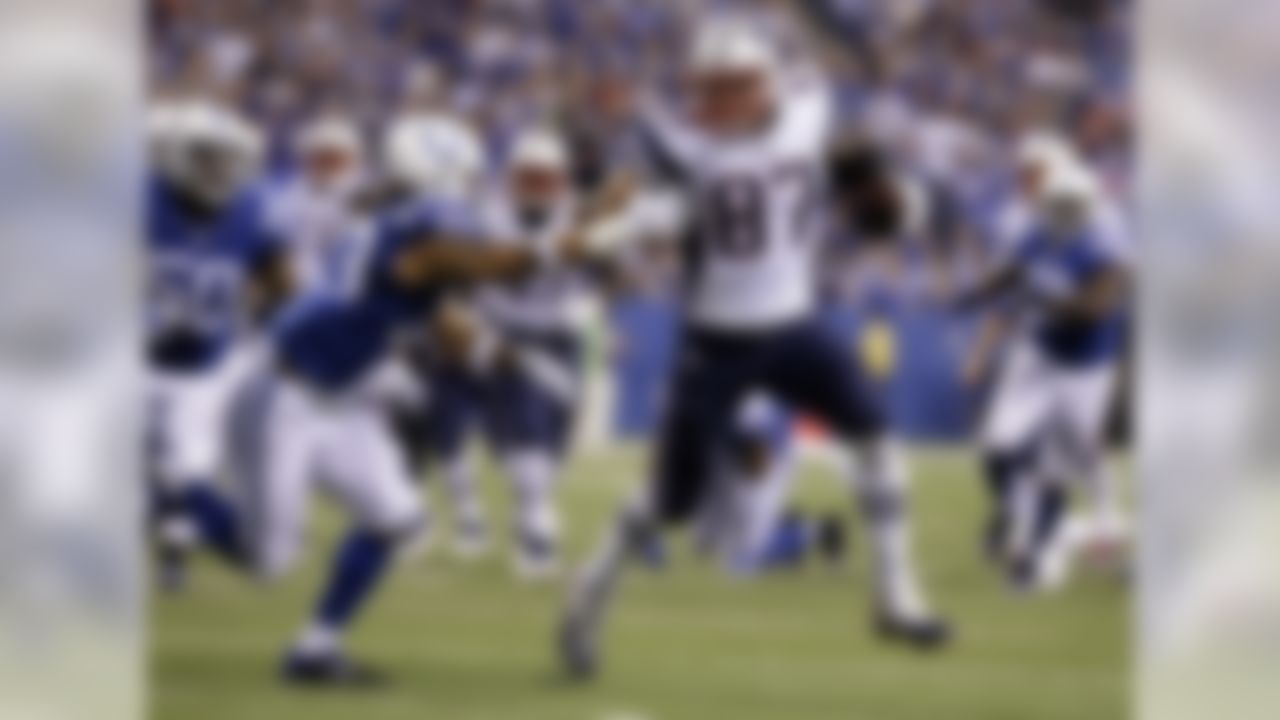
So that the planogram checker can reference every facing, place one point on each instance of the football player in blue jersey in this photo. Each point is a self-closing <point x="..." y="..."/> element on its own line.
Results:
<point x="213" y="268"/>
<point x="1066" y="279"/>
<point x="741" y="521"/>
<point x="313" y="417"/>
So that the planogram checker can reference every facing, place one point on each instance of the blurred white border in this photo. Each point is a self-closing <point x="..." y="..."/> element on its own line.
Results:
<point x="1209" y="625"/>
<point x="72" y="641"/>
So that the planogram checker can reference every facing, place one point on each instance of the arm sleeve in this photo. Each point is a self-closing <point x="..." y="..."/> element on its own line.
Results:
<point x="810" y="108"/>
<point x="1009" y="233"/>
<point x="1115" y="239"/>
<point x="660" y="209"/>
<point x="665" y="145"/>
<point x="660" y="213"/>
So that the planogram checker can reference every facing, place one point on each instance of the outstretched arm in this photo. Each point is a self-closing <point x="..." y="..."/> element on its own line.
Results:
<point x="1103" y="294"/>
<point x="978" y="359"/>
<point x="460" y="260"/>
<point x="992" y="286"/>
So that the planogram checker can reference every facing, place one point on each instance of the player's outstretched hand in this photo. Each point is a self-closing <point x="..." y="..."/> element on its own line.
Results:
<point x="616" y="194"/>
<point x="595" y="242"/>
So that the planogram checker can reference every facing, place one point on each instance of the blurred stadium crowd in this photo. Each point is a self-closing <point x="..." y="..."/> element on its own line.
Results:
<point x="943" y="84"/>
<point x="945" y="88"/>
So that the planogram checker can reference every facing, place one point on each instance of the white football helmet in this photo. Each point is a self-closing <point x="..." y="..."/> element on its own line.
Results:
<point x="1068" y="196"/>
<point x="734" y="73"/>
<point x="539" y="173"/>
<point x="330" y="133"/>
<point x="733" y="46"/>
<point x="1042" y="153"/>
<point x="542" y="150"/>
<point x="435" y="154"/>
<point x="331" y="152"/>
<point x="215" y="150"/>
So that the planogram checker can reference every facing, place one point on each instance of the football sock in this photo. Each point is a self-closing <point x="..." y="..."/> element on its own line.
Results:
<point x="881" y="483"/>
<point x="630" y="536"/>
<point x="532" y="475"/>
<point x="459" y="475"/>
<point x="216" y="520"/>
<point x="1003" y="468"/>
<point x="359" y="563"/>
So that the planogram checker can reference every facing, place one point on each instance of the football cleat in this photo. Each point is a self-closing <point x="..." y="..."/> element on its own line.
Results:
<point x="536" y="560"/>
<point x="926" y="633"/>
<point x="470" y="539"/>
<point x="833" y="541"/>
<point x="331" y="670"/>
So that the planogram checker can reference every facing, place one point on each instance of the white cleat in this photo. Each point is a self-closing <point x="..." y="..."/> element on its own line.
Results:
<point x="1055" y="566"/>
<point x="1050" y="570"/>
<point x="470" y="541"/>
<point x="537" y="561"/>
<point x="1043" y="573"/>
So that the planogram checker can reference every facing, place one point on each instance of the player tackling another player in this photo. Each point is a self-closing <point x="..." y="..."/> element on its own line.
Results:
<point x="314" y="412"/>
<point x="287" y="340"/>
<point x="742" y="179"/>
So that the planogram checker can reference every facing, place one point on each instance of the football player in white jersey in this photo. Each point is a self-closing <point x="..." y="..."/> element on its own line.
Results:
<point x="1065" y="275"/>
<point x="531" y="402"/>
<point x="746" y="171"/>
<point x="525" y="404"/>
<point x="316" y="208"/>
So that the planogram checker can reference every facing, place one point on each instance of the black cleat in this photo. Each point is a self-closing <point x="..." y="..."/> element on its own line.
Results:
<point x="1023" y="574"/>
<point x="171" y="570"/>
<point x="833" y="541"/>
<point x="335" y="671"/>
<point x="921" y="634"/>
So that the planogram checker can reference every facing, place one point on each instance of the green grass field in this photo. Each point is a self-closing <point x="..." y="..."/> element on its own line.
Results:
<point x="466" y="642"/>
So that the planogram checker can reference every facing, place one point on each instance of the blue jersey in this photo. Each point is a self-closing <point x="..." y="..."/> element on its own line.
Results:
<point x="331" y="338"/>
<point x="1058" y="266"/>
<point x="198" y="263"/>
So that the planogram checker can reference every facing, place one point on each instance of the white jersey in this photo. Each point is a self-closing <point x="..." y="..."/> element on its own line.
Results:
<point x="545" y="302"/>
<point x="321" y="229"/>
<point x="754" y="212"/>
